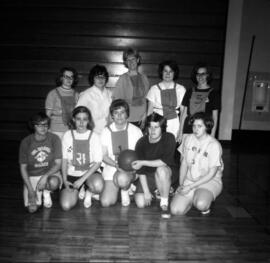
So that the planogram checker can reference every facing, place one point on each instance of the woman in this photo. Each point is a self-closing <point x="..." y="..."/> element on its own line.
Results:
<point x="61" y="101"/>
<point x="40" y="161"/>
<point x="133" y="86"/>
<point x="201" y="98"/>
<point x="201" y="168"/>
<point x="118" y="136"/>
<point x="97" y="98"/>
<point x="155" y="165"/>
<point x="166" y="97"/>
<point x="82" y="156"/>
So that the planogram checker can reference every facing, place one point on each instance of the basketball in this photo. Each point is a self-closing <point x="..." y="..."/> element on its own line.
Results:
<point x="126" y="158"/>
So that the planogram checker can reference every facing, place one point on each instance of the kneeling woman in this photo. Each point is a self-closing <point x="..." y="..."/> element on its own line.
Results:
<point x="82" y="156"/>
<point x="201" y="168"/>
<point x="156" y="167"/>
<point x="40" y="161"/>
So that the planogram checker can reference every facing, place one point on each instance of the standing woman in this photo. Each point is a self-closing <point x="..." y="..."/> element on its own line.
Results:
<point x="201" y="168"/>
<point x="40" y="161"/>
<point x="166" y="97"/>
<point x="97" y="98"/>
<point x="82" y="156"/>
<point x="201" y="98"/>
<point x="133" y="86"/>
<point x="61" y="101"/>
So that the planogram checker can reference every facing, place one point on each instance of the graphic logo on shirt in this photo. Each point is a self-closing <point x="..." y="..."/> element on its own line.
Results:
<point x="40" y="154"/>
<point x="69" y="149"/>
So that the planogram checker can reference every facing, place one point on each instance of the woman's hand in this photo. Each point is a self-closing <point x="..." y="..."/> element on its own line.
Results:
<point x="78" y="183"/>
<point x="68" y="184"/>
<point x="42" y="183"/>
<point x="32" y="197"/>
<point x="136" y="165"/>
<point x="183" y="189"/>
<point x="148" y="198"/>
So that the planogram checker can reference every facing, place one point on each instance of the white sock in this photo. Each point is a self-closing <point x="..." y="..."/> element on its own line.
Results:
<point x="164" y="201"/>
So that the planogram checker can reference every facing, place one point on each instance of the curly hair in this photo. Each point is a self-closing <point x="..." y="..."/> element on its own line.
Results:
<point x="59" y="78"/>
<point x="195" y="71"/>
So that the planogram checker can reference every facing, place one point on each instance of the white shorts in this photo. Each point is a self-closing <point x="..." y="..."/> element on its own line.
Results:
<point x="213" y="186"/>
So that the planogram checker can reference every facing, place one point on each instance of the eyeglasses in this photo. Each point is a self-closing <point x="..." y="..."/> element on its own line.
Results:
<point x="100" y="77"/>
<point x="201" y="74"/>
<point x="42" y="125"/>
<point x="68" y="77"/>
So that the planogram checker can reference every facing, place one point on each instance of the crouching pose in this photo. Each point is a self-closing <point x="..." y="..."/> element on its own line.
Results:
<point x="155" y="166"/>
<point x="118" y="136"/>
<point x="201" y="168"/>
<point x="82" y="156"/>
<point x="40" y="161"/>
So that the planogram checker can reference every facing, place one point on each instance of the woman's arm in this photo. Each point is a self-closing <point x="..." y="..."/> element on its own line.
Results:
<point x="26" y="180"/>
<point x="146" y="191"/>
<point x="64" y="173"/>
<point x="215" y="119"/>
<point x="183" y="115"/>
<point x="138" y="164"/>
<point x="150" y="108"/>
<point x="78" y="183"/>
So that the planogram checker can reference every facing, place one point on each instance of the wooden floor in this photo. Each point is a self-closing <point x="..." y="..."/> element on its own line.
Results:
<point x="231" y="233"/>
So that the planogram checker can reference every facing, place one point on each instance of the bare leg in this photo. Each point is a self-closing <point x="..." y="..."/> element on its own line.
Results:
<point x="109" y="194"/>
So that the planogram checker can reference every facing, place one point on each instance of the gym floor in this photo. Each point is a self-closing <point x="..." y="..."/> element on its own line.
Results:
<point x="236" y="230"/>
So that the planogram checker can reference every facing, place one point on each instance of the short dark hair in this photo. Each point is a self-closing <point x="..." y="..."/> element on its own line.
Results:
<point x="131" y="52"/>
<point x="96" y="71"/>
<point x="206" y="118"/>
<point x="172" y="64"/>
<point x="82" y="109"/>
<point x="118" y="103"/>
<point x="38" y="118"/>
<point x="195" y="70"/>
<point x="61" y="72"/>
<point x="155" y="117"/>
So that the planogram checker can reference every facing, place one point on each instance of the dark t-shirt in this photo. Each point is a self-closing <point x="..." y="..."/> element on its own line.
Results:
<point x="40" y="155"/>
<point x="213" y="103"/>
<point x="164" y="150"/>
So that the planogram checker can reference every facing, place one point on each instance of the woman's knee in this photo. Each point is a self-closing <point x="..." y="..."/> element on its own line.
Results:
<point x="95" y="183"/>
<point x="163" y="173"/>
<point x="139" y="201"/>
<point x="202" y="204"/>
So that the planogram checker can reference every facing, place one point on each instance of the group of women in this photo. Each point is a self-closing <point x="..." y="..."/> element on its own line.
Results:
<point x="83" y="134"/>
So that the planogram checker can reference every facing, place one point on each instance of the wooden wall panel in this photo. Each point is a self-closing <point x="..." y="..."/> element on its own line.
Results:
<point x="42" y="36"/>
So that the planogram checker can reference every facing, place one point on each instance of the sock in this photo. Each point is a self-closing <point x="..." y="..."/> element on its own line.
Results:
<point x="164" y="201"/>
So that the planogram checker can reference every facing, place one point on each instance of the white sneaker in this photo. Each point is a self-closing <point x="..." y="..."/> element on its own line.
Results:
<point x="47" y="200"/>
<point x="82" y="193"/>
<point x="125" y="200"/>
<point x="96" y="196"/>
<point x="87" y="199"/>
<point x="132" y="189"/>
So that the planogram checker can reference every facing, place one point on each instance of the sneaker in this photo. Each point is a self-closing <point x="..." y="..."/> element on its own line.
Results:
<point x="132" y="189"/>
<point x="157" y="194"/>
<point x="164" y="208"/>
<point x="87" y="199"/>
<point x="47" y="200"/>
<point x="125" y="200"/>
<point x="206" y="212"/>
<point x="82" y="193"/>
<point x="95" y="196"/>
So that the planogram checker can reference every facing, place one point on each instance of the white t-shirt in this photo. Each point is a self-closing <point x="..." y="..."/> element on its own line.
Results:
<point x="202" y="156"/>
<point x="98" y="102"/>
<point x="67" y="149"/>
<point x="134" y="134"/>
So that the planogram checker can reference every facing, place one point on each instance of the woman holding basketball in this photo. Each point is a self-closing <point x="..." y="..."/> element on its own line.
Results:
<point x="118" y="136"/>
